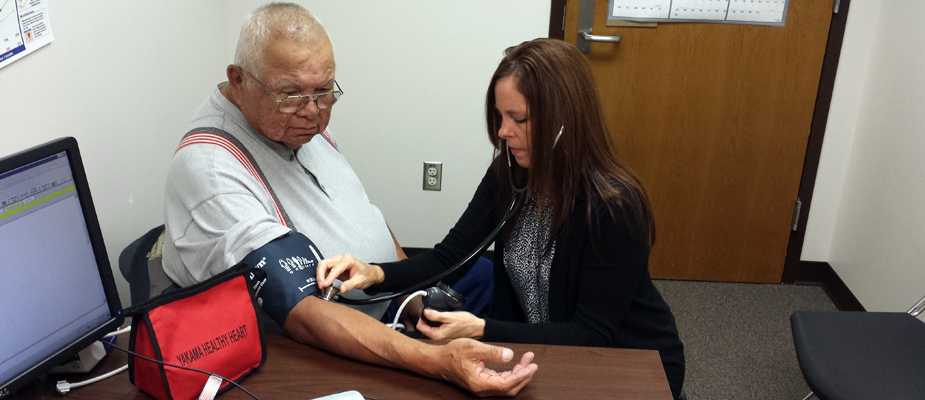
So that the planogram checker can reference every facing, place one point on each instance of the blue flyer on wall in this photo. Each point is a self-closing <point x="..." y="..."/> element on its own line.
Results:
<point x="24" y="28"/>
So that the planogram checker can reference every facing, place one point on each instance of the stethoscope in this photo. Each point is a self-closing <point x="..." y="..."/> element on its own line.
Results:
<point x="517" y="198"/>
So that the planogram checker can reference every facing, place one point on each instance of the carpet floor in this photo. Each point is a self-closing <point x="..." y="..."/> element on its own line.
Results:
<point x="737" y="339"/>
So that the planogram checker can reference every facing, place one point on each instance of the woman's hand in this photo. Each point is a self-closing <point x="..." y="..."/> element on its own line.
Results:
<point x="453" y="324"/>
<point x="358" y="274"/>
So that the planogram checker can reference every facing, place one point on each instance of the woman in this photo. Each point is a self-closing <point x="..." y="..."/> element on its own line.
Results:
<point x="572" y="266"/>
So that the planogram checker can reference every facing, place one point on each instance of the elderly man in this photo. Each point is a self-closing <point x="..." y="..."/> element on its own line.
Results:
<point x="292" y="197"/>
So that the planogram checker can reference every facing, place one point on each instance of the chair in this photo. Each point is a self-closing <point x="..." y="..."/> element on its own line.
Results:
<point x="140" y="264"/>
<point x="144" y="274"/>
<point x="862" y="355"/>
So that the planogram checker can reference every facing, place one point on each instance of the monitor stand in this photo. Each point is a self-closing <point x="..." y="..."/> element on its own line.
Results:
<point x="83" y="361"/>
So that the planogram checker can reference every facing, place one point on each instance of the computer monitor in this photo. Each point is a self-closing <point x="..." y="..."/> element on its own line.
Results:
<point x="57" y="293"/>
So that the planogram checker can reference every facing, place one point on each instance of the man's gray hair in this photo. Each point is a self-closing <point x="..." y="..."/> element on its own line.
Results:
<point x="275" y="21"/>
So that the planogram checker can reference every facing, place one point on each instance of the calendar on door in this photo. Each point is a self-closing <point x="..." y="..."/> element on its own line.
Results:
<point x="759" y="12"/>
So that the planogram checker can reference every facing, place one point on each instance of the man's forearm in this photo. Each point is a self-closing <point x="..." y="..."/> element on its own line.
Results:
<point x="351" y="333"/>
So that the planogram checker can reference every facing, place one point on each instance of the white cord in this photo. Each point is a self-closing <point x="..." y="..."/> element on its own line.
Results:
<point x="118" y="332"/>
<point x="395" y="324"/>
<point x="65" y="386"/>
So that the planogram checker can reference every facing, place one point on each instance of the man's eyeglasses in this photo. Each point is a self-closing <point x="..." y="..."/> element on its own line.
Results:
<point x="290" y="104"/>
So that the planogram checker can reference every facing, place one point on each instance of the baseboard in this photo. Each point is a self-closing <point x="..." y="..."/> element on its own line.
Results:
<point x="413" y="251"/>
<point x="818" y="273"/>
<point x="821" y="273"/>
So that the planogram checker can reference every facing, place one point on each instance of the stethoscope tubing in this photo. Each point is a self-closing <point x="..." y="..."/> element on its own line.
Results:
<point x="518" y="195"/>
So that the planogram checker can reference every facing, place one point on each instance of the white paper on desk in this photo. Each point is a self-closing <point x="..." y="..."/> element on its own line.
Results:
<point x="351" y="395"/>
<point x="640" y="9"/>
<point x="767" y="11"/>
<point x="710" y="10"/>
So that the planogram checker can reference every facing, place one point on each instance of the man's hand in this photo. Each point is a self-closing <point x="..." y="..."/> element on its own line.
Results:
<point x="358" y="274"/>
<point x="453" y="324"/>
<point x="464" y="364"/>
<point x="348" y="332"/>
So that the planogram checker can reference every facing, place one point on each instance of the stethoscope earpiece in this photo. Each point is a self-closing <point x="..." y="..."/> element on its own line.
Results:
<point x="558" y="135"/>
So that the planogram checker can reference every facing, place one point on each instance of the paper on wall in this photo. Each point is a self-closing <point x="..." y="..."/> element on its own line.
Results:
<point x="24" y="28"/>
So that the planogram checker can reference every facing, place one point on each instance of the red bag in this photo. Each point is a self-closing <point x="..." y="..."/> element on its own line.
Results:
<point x="211" y="326"/>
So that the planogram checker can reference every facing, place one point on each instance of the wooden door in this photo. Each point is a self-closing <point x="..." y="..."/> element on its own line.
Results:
<point x="714" y="118"/>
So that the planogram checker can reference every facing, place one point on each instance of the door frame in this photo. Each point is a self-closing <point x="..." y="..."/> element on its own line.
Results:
<point x="795" y="270"/>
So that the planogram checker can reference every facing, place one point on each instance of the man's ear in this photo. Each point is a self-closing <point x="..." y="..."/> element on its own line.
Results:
<point x="234" y="74"/>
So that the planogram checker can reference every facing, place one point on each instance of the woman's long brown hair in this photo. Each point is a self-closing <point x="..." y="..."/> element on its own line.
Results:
<point x="556" y="81"/>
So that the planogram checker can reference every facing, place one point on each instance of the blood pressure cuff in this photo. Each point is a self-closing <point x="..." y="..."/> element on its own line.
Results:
<point x="282" y="273"/>
<point x="211" y="326"/>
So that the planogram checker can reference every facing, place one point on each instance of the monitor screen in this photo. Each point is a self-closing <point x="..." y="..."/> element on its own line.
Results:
<point x="52" y="293"/>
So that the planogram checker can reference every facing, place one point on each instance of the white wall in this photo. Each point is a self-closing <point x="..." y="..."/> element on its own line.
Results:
<point x="874" y="183"/>
<point x="414" y="74"/>
<point x="860" y="32"/>
<point x="124" y="78"/>
<point x="878" y="246"/>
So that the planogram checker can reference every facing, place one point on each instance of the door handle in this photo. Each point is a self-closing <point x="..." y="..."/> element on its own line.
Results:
<point x="600" y="38"/>
<point x="585" y="21"/>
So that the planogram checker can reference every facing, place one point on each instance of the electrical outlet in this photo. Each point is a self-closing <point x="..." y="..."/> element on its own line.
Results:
<point x="433" y="175"/>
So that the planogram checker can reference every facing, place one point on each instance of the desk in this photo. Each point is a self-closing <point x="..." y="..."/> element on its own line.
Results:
<point x="295" y="371"/>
